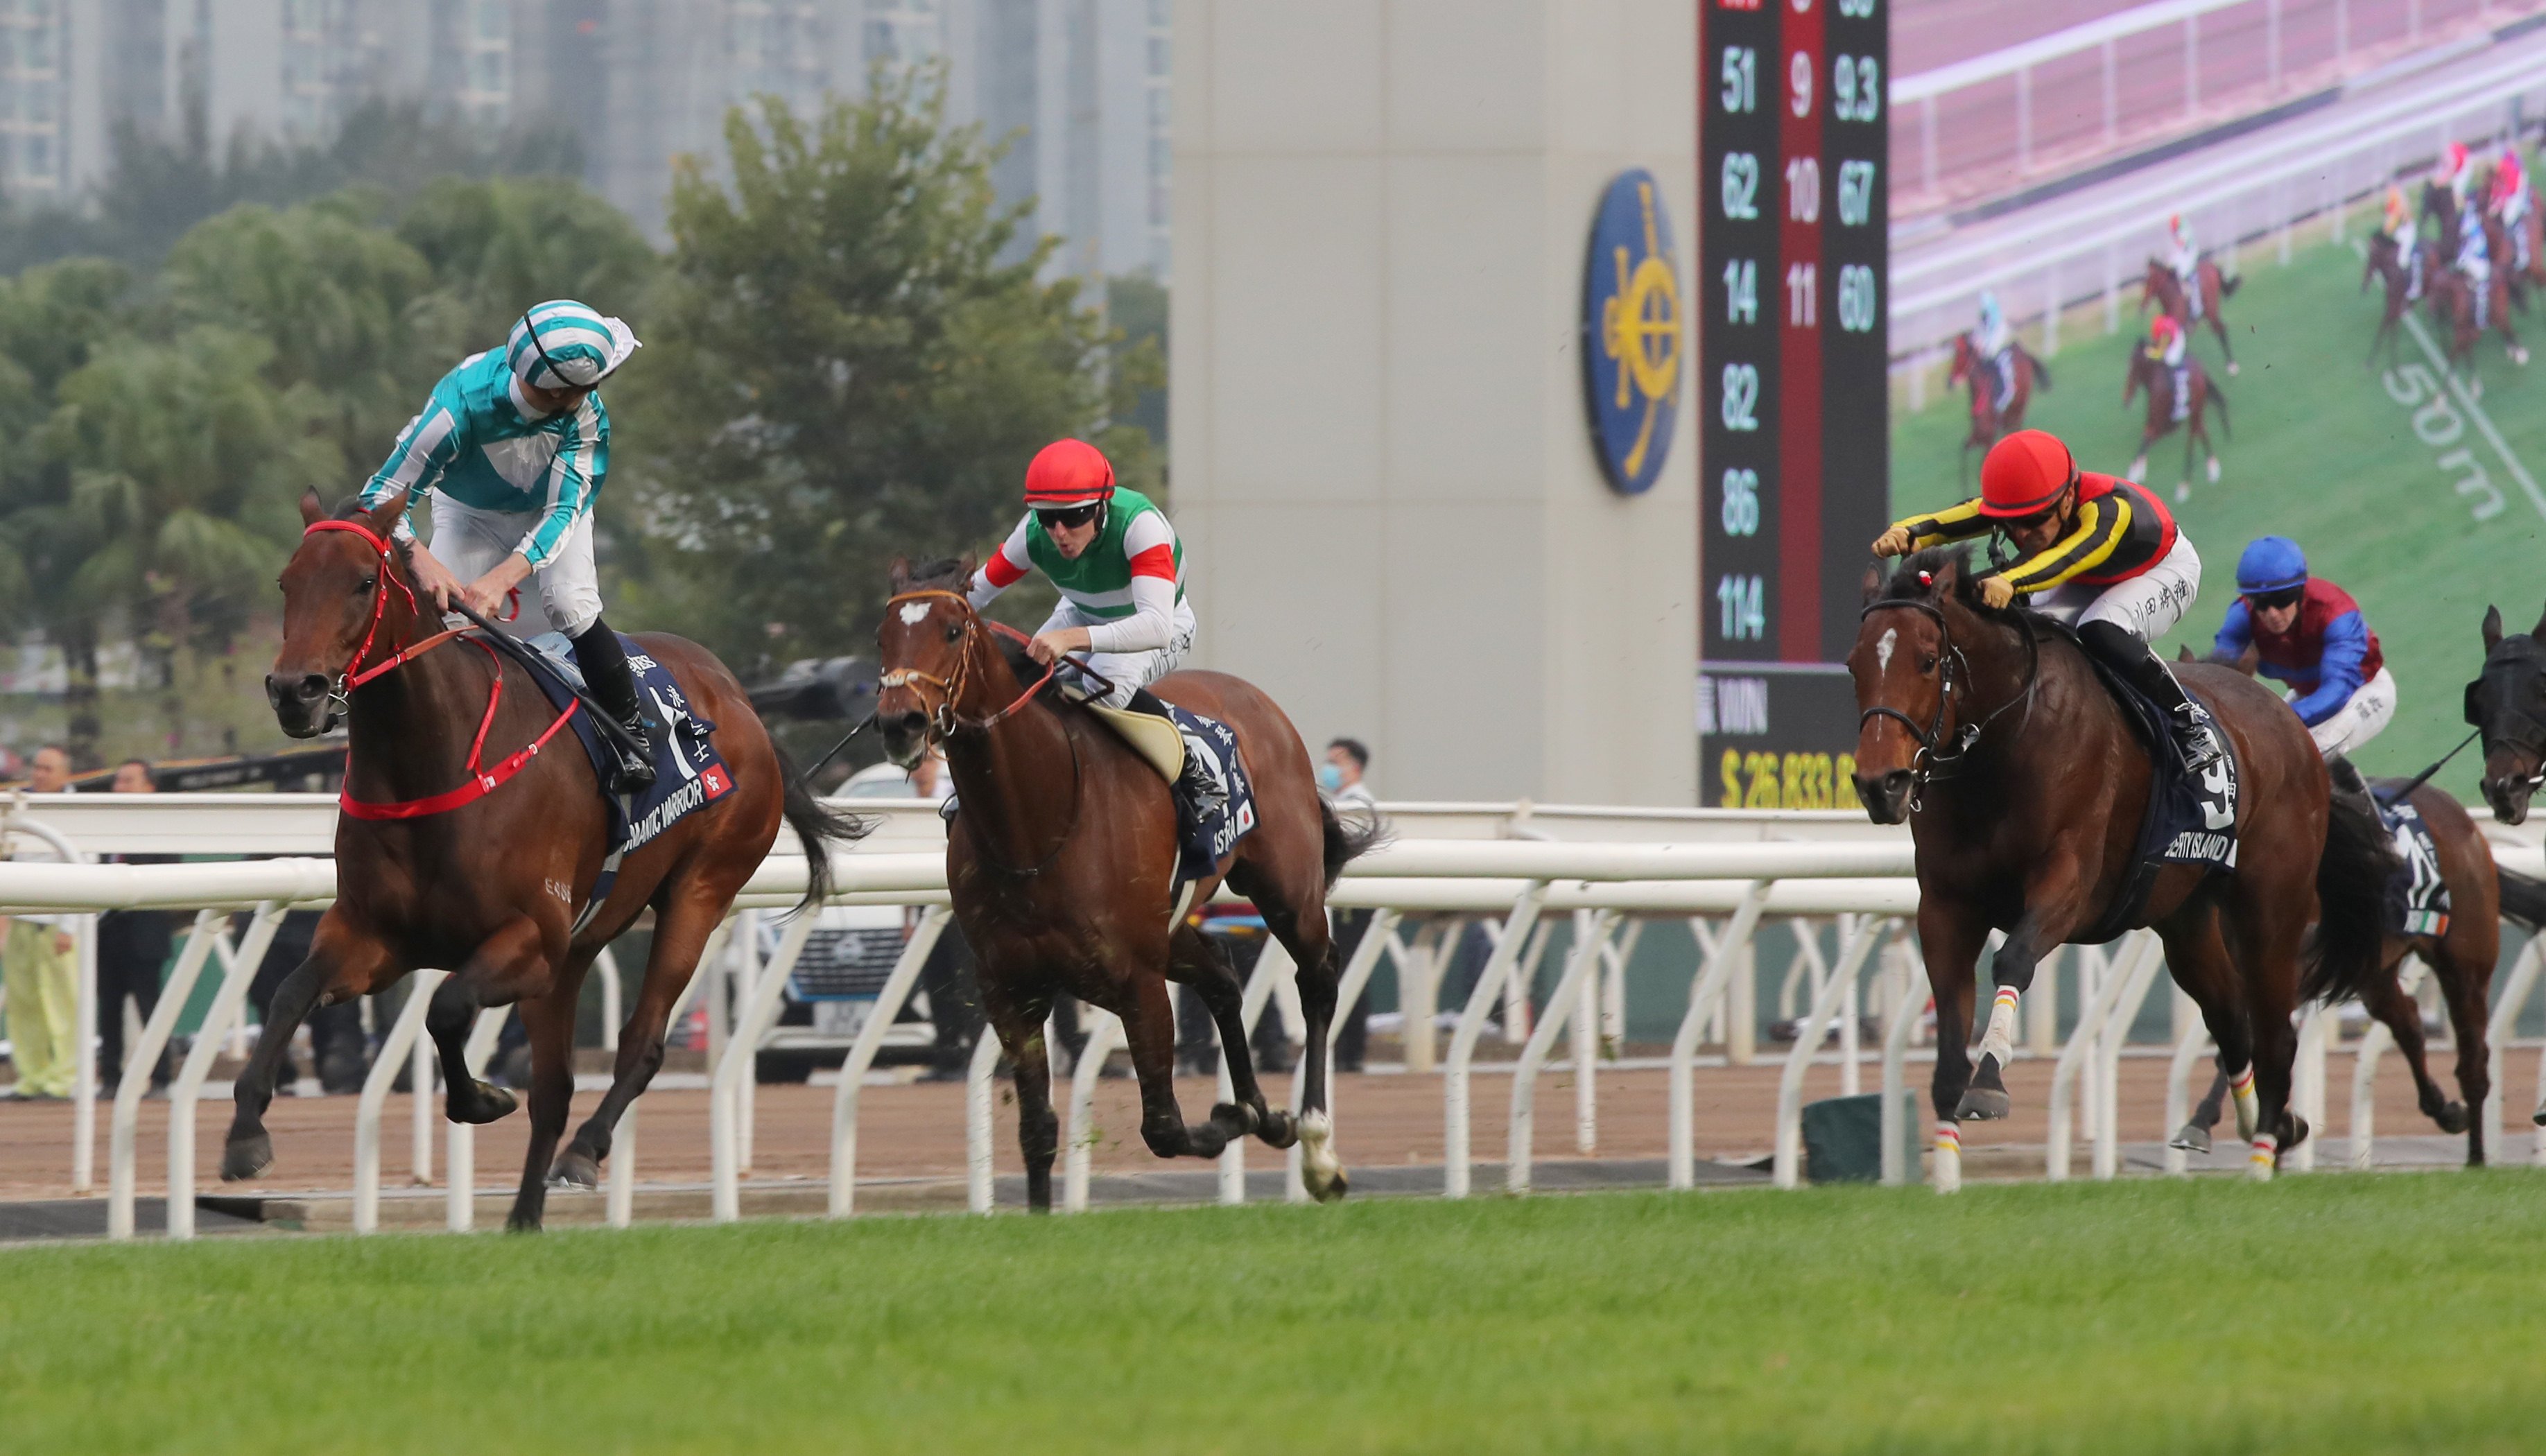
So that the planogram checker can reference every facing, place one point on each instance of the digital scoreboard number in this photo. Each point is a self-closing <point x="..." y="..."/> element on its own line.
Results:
<point x="1794" y="470"/>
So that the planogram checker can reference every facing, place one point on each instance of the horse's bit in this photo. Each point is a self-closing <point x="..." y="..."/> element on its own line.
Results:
<point x="1935" y="760"/>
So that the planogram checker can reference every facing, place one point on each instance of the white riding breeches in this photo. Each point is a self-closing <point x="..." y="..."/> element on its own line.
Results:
<point x="1125" y="670"/>
<point x="472" y="543"/>
<point x="2144" y="606"/>
<point x="2371" y="708"/>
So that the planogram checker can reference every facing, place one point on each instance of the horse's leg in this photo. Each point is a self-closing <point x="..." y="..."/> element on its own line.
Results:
<point x="339" y="960"/>
<point x="1149" y="1030"/>
<point x="500" y="971"/>
<point x="1194" y="961"/>
<point x="1313" y="955"/>
<point x="1949" y="940"/>
<point x="550" y="1019"/>
<point x="2219" y="327"/>
<point x="2384" y="998"/>
<point x="2466" y="980"/>
<point x="681" y="931"/>
<point x="2197" y="956"/>
<point x="2194" y="1135"/>
<point x="1019" y="1024"/>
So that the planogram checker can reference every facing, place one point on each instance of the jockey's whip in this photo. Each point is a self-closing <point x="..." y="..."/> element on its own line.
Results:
<point x="2389" y="801"/>
<point x="540" y="669"/>
<point x="824" y="762"/>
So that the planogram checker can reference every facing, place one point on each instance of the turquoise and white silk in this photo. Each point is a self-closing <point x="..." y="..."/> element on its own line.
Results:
<point x="576" y="346"/>
<point x="478" y="442"/>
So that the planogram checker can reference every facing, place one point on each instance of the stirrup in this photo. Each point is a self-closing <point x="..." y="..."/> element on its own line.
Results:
<point x="636" y="770"/>
<point x="2199" y="743"/>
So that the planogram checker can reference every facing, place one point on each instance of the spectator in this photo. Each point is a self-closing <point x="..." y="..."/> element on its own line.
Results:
<point x="133" y="949"/>
<point x="1341" y="777"/>
<point x="42" y="973"/>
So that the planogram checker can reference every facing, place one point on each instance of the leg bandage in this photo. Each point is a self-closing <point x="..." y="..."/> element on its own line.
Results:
<point x="1947" y="1171"/>
<point x="2266" y="1150"/>
<point x="1999" y="1038"/>
<point x="2248" y="1111"/>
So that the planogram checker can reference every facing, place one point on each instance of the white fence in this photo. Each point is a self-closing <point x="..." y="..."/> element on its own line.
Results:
<point x="1853" y="871"/>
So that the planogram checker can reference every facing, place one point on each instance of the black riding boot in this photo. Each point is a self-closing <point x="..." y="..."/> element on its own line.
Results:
<point x="2135" y="659"/>
<point x="613" y="687"/>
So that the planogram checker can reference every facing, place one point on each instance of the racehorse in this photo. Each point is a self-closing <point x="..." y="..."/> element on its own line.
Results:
<point x="2162" y="420"/>
<point x="1989" y="422"/>
<point x="2024" y="784"/>
<point x="2450" y="295"/>
<point x="493" y="885"/>
<point x="2386" y="263"/>
<point x="2499" y="245"/>
<point x="2461" y="958"/>
<point x="2166" y="289"/>
<point x="1063" y="858"/>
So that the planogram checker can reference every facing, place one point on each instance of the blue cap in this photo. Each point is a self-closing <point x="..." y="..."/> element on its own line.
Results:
<point x="2271" y="564"/>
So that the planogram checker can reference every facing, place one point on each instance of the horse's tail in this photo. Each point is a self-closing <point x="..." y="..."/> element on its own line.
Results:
<point x="1348" y="838"/>
<point x="2352" y="899"/>
<point x="2219" y="398"/>
<point x="2523" y="899"/>
<point x="2041" y="371"/>
<point x="817" y="827"/>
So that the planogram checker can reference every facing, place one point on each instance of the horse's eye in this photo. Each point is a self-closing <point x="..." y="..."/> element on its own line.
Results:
<point x="1926" y="662"/>
<point x="954" y="634"/>
<point x="368" y="584"/>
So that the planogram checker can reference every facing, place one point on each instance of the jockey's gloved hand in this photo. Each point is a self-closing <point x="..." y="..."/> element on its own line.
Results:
<point x="1892" y="542"/>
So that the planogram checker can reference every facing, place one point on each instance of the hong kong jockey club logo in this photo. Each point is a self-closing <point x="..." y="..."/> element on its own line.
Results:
<point x="1631" y="332"/>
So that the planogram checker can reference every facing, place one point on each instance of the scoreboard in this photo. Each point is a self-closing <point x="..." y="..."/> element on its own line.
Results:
<point x="1794" y="466"/>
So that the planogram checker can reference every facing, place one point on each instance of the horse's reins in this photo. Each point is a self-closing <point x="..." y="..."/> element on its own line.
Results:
<point x="1936" y="759"/>
<point x="945" y="720"/>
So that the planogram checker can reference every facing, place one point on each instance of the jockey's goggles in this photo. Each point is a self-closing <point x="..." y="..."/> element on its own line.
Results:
<point x="1069" y="518"/>
<point x="2288" y="596"/>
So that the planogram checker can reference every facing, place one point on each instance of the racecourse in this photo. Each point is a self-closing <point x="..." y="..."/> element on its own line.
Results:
<point x="2316" y="1314"/>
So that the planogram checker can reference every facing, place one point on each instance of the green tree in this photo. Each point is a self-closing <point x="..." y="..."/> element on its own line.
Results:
<point x="499" y="245"/>
<point x="842" y="369"/>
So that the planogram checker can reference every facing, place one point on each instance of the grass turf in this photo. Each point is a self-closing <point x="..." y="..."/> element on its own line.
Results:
<point x="2325" y="1314"/>
<point x="2321" y="450"/>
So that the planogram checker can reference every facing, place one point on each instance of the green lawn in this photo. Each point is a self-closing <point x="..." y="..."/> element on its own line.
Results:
<point x="2317" y="1313"/>
<point x="2322" y="452"/>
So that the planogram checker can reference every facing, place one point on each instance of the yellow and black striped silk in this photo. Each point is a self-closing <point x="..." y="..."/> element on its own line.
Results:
<point x="2107" y="539"/>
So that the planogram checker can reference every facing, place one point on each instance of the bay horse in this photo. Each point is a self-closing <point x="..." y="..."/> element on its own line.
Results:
<point x="2385" y="262"/>
<point x="2451" y="297"/>
<point x="492" y="887"/>
<point x="2153" y="375"/>
<point x="1990" y="424"/>
<point x="2023" y="784"/>
<point x="2166" y="290"/>
<point x="2461" y="957"/>
<point x="2499" y="247"/>
<point x="1062" y="863"/>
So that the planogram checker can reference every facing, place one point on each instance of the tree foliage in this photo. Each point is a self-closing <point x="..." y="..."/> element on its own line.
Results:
<point x="842" y="369"/>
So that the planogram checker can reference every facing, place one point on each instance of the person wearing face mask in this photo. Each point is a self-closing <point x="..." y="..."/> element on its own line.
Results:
<point x="2094" y="551"/>
<point x="2309" y="634"/>
<point x="1339" y="778"/>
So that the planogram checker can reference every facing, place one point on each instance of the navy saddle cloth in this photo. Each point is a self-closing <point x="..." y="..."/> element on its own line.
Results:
<point x="2417" y="898"/>
<point x="1204" y="838"/>
<point x="689" y="772"/>
<point x="2190" y="819"/>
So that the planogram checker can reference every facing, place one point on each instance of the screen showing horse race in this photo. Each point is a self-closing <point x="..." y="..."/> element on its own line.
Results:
<point x="1792" y="140"/>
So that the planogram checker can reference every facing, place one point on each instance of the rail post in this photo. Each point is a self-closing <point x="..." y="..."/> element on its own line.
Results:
<point x="979" y="1191"/>
<point x="122" y="1159"/>
<point x="238" y="970"/>
<point x="1375" y="941"/>
<point x="2081" y="1048"/>
<point x="1790" y="1081"/>
<point x="2306" y="1093"/>
<point x="1584" y="1033"/>
<point x="2364" y="1070"/>
<point x="405" y="1033"/>
<point x="1078" y="1152"/>
<point x="2498" y="1032"/>
<point x="2108" y="1063"/>
<point x="1472" y="1021"/>
<point x="728" y="1110"/>
<point x="1906" y="1011"/>
<point x="460" y="1146"/>
<point x="1582" y="961"/>
<point x="862" y="1055"/>
<point x="1269" y="965"/>
<point x="1721" y="960"/>
<point x="618" y="1197"/>
<point x="2188" y="1047"/>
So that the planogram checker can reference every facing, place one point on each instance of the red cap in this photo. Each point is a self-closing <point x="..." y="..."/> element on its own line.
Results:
<point x="1068" y="472"/>
<point x="2163" y="327"/>
<point x="2024" y="473"/>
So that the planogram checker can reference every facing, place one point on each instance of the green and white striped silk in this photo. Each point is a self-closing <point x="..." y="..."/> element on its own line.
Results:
<point x="576" y="345"/>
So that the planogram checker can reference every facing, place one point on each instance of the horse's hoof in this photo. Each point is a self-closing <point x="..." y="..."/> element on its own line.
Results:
<point x="1280" y="1129"/>
<point x="481" y="1104"/>
<point x="1333" y="1190"/>
<point x="2214" y="470"/>
<point x="575" y="1168"/>
<point x="2231" y="368"/>
<point x="519" y="1224"/>
<point x="2298" y="1132"/>
<point x="245" y="1158"/>
<point x="1237" y="1117"/>
<point x="2452" y="1118"/>
<point x="2192" y="1137"/>
<point x="2182" y="492"/>
<point x="2538" y="1117"/>
<point x="1982" y="1104"/>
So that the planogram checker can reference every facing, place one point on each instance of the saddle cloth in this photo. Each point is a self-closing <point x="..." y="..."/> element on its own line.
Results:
<point x="689" y="772"/>
<point x="1206" y="833"/>
<point x="2190" y="819"/>
<point x="2417" y="898"/>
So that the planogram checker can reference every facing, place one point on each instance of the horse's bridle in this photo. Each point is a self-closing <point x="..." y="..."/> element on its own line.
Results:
<point x="2509" y="710"/>
<point x="1935" y="758"/>
<point x="340" y="695"/>
<point x="944" y="721"/>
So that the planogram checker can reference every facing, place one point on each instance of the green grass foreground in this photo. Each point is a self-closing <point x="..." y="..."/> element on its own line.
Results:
<point x="2317" y="1313"/>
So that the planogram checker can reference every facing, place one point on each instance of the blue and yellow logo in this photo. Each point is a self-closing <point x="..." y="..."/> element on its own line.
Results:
<point x="1631" y="332"/>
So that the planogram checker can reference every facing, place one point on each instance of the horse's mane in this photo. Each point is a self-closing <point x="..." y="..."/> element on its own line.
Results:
<point x="1920" y="578"/>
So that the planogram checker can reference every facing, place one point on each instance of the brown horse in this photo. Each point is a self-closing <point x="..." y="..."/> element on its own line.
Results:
<point x="2166" y="290"/>
<point x="494" y="887"/>
<point x="2499" y="246"/>
<point x="2461" y="957"/>
<point x="1063" y="864"/>
<point x="2153" y="375"/>
<point x="2451" y="298"/>
<point x="2386" y="263"/>
<point x="2024" y="784"/>
<point x="1990" y="424"/>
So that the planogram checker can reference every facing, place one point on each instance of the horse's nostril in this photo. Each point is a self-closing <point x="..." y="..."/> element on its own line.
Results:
<point x="313" y="686"/>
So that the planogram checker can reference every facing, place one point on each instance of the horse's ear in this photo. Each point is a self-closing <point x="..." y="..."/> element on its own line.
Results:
<point x="2491" y="629"/>
<point x="898" y="574"/>
<point x="972" y="568"/>
<point x="2183" y="654"/>
<point x="313" y="509"/>
<point x="2540" y="630"/>
<point x="1873" y="582"/>
<point x="1950" y="580"/>
<point x="384" y="518"/>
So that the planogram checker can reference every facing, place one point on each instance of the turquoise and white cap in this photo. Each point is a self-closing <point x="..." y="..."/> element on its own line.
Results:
<point x="576" y="346"/>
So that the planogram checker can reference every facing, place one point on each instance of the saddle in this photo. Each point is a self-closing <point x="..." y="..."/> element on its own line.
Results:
<point x="2190" y="819"/>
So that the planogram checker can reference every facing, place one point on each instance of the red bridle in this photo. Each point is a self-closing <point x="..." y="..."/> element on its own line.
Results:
<point x="481" y="782"/>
